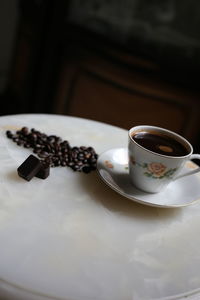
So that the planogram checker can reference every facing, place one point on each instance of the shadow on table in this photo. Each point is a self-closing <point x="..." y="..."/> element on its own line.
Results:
<point x="118" y="204"/>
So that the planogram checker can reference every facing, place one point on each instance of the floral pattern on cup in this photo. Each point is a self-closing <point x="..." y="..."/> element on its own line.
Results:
<point x="155" y="170"/>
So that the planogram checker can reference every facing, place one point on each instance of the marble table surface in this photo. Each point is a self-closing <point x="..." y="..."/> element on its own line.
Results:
<point x="71" y="237"/>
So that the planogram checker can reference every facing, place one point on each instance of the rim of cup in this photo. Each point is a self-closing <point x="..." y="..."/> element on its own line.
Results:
<point x="168" y="132"/>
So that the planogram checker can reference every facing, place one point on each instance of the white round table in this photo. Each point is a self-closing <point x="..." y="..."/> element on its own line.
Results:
<point x="71" y="237"/>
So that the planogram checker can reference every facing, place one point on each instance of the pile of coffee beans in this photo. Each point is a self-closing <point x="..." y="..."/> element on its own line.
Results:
<point x="54" y="151"/>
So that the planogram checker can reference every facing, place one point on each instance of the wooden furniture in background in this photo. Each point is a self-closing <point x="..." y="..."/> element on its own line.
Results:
<point x="59" y="67"/>
<point x="106" y="84"/>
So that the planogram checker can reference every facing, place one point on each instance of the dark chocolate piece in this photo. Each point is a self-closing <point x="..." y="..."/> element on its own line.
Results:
<point x="44" y="171"/>
<point x="29" y="168"/>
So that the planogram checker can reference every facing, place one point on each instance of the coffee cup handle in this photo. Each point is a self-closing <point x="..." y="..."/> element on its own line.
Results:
<point x="193" y="156"/>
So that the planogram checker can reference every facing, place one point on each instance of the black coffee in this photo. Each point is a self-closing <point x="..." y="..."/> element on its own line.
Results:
<point x="160" y="143"/>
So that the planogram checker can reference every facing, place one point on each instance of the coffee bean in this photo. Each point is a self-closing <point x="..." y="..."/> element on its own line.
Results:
<point x="47" y="148"/>
<point x="75" y="149"/>
<point x="74" y="155"/>
<point x="86" y="169"/>
<point x="64" y="144"/>
<point x="57" y="163"/>
<point x="90" y="149"/>
<point x="20" y="143"/>
<point x="27" y="145"/>
<point x="64" y="151"/>
<point x="63" y="163"/>
<point x="54" y="151"/>
<point x="9" y="134"/>
<point x="24" y="131"/>
<point x="92" y="160"/>
<point x="48" y="160"/>
<point x="43" y="154"/>
<point x="15" y="139"/>
<point x="75" y="167"/>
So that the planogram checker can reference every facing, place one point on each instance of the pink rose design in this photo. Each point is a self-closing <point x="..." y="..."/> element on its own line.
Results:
<point x="157" y="169"/>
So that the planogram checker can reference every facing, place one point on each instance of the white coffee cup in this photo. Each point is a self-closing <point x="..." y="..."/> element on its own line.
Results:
<point x="151" y="171"/>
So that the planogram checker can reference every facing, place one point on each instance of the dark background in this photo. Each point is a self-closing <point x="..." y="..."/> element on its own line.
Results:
<point x="156" y="44"/>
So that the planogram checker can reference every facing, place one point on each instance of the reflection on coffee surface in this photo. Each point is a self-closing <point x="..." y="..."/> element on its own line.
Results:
<point x="159" y="143"/>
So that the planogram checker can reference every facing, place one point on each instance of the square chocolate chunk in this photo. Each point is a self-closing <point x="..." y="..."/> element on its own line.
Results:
<point x="29" y="168"/>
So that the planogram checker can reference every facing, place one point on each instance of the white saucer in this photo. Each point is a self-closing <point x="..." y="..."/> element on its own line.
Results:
<point x="112" y="166"/>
